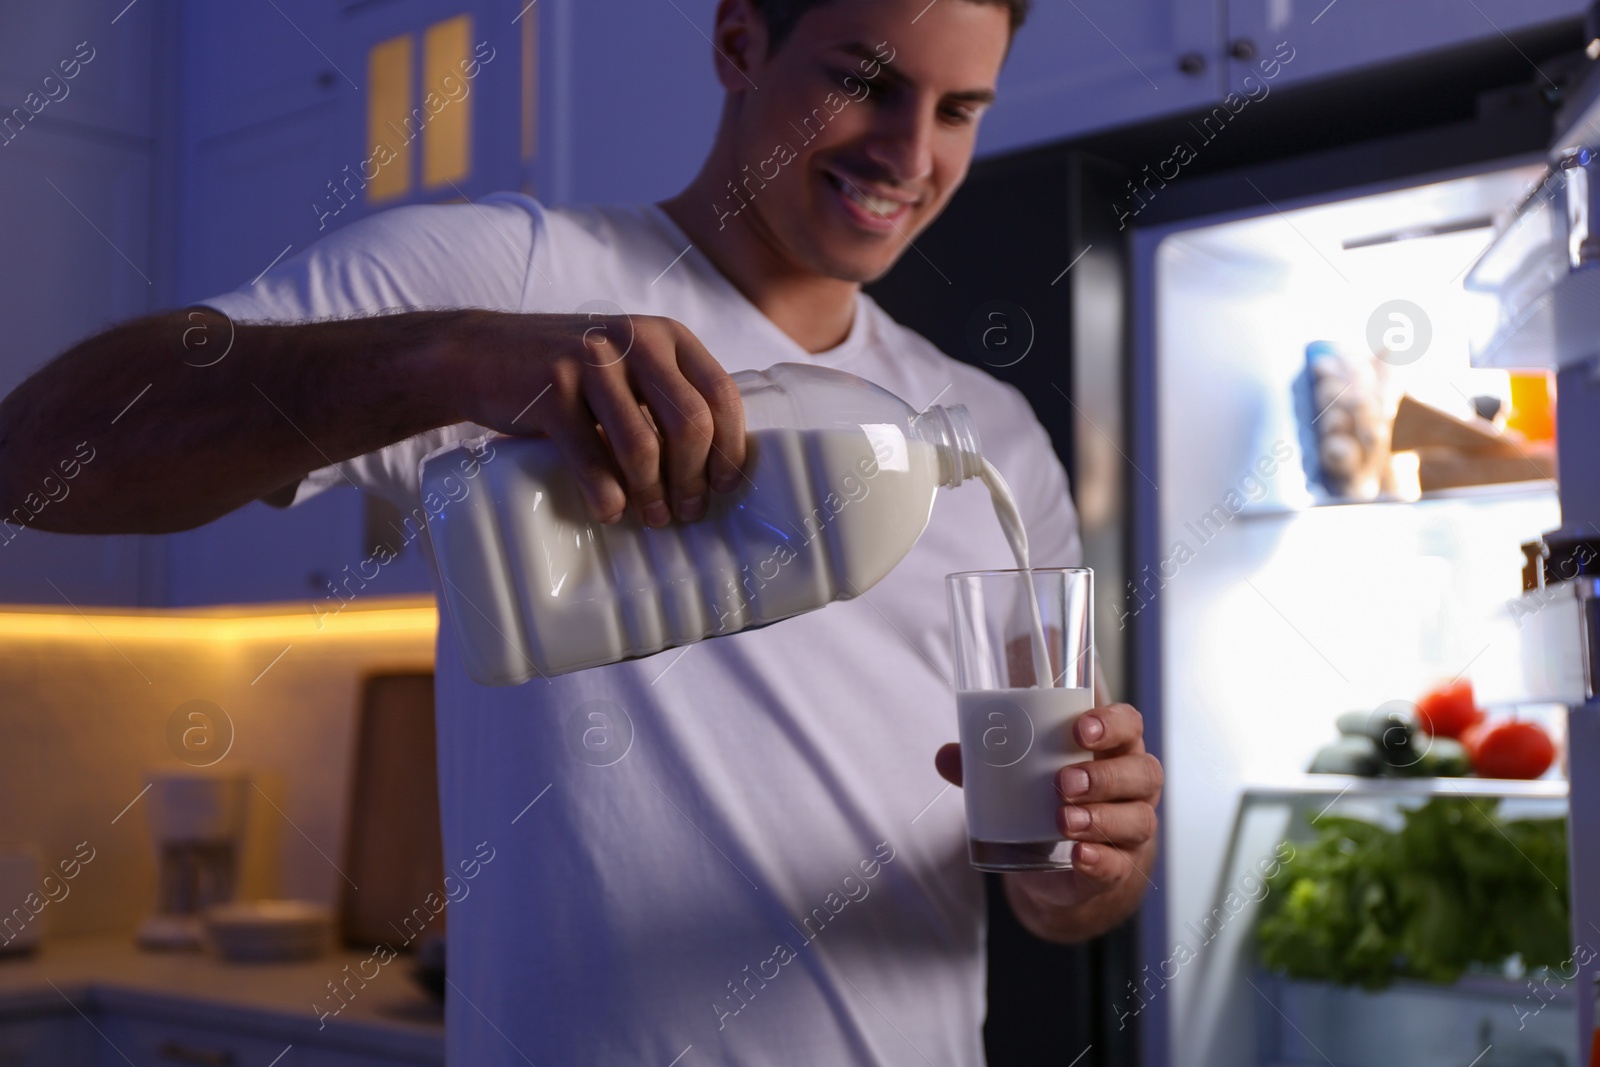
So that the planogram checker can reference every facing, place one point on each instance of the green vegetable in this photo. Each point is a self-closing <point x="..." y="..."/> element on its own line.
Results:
<point x="1348" y="755"/>
<point x="1443" y="757"/>
<point x="1390" y="733"/>
<point x="1361" y="905"/>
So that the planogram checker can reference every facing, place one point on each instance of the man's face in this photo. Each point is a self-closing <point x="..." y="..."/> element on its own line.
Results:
<point x="861" y="126"/>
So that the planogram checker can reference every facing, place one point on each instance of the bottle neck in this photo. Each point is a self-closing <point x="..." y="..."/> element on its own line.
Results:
<point x="954" y="438"/>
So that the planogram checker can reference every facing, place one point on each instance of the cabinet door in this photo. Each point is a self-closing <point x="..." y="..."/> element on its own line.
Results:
<point x="163" y="1044"/>
<point x="75" y="212"/>
<point x="249" y="64"/>
<point x="1083" y="65"/>
<point x="253" y="191"/>
<point x="326" y="1057"/>
<point x="51" y="1040"/>
<point x="273" y="164"/>
<point x="1342" y="35"/>
<point x="111" y="92"/>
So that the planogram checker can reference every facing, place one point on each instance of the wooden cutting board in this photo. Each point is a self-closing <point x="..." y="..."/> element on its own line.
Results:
<point x="394" y="854"/>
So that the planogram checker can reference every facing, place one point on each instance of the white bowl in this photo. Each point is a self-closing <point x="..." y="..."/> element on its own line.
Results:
<point x="270" y="930"/>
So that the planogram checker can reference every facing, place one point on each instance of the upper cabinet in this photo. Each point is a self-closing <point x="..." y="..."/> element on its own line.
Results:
<point x="1346" y="35"/>
<point x="86" y="66"/>
<point x="336" y="111"/>
<point x="1086" y="65"/>
<point x="81" y="249"/>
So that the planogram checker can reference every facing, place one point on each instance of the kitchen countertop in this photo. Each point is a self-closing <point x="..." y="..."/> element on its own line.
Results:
<point x="391" y="1015"/>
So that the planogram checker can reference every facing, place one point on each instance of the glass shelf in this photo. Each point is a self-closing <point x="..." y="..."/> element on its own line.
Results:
<point x="1495" y="493"/>
<point x="1339" y="785"/>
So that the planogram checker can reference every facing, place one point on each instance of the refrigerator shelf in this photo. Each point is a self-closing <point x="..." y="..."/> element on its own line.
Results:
<point x="1341" y="785"/>
<point x="1489" y="494"/>
<point x="1479" y="983"/>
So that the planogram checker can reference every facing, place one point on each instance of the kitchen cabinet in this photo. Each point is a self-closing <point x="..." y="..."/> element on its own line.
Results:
<point x="156" y="1041"/>
<point x="100" y="1002"/>
<point x="252" y="192"/>
<point x="296" y="61"/>
<point x="1344" y="35"/>
<point x="109" y="93"/>
<point x="270" y="132"/>
<point x="77" y="184"/>
<point x="1095" y="64"/>
<point x="172" y="1043"/>
<point x="50" y="1039"/>
<point x="1092" y="65"/>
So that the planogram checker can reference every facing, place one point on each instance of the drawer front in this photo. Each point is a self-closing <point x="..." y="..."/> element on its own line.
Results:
<point x="45" y="1041"/>
<point x="161" y="1044"/>
<point x="150" y="1043"/>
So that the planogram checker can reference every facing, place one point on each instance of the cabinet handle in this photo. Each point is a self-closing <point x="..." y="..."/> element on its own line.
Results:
<point x="1192" y="63"/>
<point x="203" y="1057"/>
<point x="1242" y="48"/>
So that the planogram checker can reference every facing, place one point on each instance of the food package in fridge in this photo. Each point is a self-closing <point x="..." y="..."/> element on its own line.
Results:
<point x="1342" y="401"/>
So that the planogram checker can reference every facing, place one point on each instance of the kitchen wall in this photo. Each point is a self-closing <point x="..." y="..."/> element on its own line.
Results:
<point x="88" y="699"/>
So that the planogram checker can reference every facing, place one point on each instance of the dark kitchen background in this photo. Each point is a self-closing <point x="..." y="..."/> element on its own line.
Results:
<point x="197" y="144"/>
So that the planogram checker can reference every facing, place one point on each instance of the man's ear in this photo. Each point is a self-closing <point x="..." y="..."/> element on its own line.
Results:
<point x="739" y="41"/>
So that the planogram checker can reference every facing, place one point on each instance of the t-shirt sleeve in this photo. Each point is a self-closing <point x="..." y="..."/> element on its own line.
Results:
<point x="418" y="257"/>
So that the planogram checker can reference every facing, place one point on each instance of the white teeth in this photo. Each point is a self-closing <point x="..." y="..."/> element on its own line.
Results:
<point x="876" y="205"/>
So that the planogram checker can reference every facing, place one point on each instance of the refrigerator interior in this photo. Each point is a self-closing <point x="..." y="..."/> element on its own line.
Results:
<point x="1280" y="609"/>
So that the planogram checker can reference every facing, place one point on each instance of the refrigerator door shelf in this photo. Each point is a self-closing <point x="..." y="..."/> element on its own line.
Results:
<point x="1557" y="630"/>
<point x="1544" y="270"/>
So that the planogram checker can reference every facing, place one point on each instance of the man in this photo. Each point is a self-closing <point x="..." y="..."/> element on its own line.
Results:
<point x="739" y="852"/>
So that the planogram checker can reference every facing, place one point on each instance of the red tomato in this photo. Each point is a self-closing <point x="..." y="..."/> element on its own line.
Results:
<point x="1448" y="710"/>
<point x="1471" y="738"/>
<point x="1514" y="750"/>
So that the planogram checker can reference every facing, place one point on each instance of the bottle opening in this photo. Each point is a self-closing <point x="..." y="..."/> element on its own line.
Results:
<point x="954" y="437"/>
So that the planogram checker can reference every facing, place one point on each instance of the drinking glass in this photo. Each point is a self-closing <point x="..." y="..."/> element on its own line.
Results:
<point x="1016" y="725"/>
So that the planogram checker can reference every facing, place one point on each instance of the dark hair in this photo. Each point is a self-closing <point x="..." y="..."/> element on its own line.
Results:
<point x="781" y="15"/>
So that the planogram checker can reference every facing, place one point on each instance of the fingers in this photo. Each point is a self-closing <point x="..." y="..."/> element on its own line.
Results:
<point x="947" y="761"/>
<point x="721" y="396"/>
<point x="686" y="425"/>
<point x="687" y="438"/>
<point x="1128" y="824"/>
<point x="589" y="460"/>
<point x="1101" y="864"/>
<point x="1107" y="729"/>
<point x="634" y="443"/>
<point x="1136" y="776"/>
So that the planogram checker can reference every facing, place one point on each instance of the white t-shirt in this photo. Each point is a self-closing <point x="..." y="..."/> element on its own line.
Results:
<point x="740" y="846"/>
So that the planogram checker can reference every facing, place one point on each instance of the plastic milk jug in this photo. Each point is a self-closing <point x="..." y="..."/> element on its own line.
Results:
<point x="839" y="483"/>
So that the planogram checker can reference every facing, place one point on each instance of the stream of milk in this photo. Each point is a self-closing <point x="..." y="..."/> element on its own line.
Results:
<point x="1005" y="509"/>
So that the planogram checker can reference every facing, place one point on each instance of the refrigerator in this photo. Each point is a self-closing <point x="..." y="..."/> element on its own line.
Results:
<point x="1243" y="605"/>
<point x="1277" y="605"/>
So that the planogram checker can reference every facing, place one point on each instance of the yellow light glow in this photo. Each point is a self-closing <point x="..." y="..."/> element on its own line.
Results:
<point x="530" y="81"/>
<point x="400" y="617"/>
<point x="388" y="107"/>
<point x="447" y="140"/>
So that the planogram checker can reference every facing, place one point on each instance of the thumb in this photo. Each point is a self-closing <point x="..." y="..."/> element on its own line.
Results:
<point x="948" y="763"/>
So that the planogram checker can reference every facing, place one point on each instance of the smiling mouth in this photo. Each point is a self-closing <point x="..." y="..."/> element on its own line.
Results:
<point x="881" y="207"/>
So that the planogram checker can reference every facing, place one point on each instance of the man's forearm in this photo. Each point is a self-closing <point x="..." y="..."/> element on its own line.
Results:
<point x="1068" y="925"/>
<point x="190" y="416"/>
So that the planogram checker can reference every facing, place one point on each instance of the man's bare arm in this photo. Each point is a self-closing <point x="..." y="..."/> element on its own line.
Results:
<point x="190" y="416"/>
